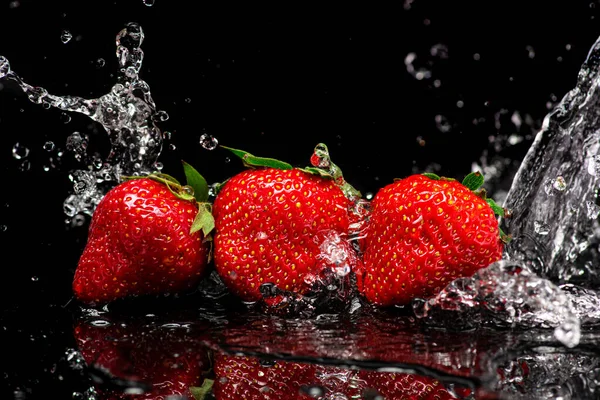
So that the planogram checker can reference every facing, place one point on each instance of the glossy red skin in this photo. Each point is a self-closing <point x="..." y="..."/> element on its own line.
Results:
<point x="238" y="377"/>
<point x="422" y="234"/>
<point x="269" y="226"/>
<point x="163" y="360"/>
<point x="139" y="244"/>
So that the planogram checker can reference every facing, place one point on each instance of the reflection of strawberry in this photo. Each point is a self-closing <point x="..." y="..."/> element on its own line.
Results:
<point x="280" y="225"/>
<point x="238" y="377"/>
<point x="382" y="337"/>
<point x="144" y="238"/>
<point x="425" y="231"/>
<point x="132" y="358"/>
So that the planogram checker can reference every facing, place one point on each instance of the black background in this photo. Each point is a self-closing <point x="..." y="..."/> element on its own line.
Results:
<point x="273" y="80"/>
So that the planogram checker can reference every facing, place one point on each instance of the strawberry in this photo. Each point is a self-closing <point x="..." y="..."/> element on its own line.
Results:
<point x="241" y="377"/>
<point x="148" y="236"/>
<point x="283" y="229"/>
<point x="425" y="231"/>
<point x="134" y="360"/>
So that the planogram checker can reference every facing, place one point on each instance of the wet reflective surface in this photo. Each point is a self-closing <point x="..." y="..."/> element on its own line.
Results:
<point x="180" y="347"/>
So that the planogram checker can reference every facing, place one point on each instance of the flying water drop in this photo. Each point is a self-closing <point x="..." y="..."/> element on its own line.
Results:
<point x="19" y="151"/>
<point x="66" y="36"/>
<point x="209" y="142"/>
<point x="4" y="67"/>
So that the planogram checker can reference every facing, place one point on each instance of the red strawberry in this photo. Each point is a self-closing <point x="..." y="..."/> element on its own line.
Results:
<point x="425" y="231"/>
<point x="239" y="377"/>
<point x="146" y="237"/>
<point x="132" y="360"/>
<point x="284" y="226"/>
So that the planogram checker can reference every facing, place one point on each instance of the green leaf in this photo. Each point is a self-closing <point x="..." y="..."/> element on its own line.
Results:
<point x="504" y="237"/>
<point x="218" y="186"/>
<point x="317" y="171"/>
<point x="165" y="177"/>
<point x="254" y="161"/>
<point x="200" y="392"/>
<point x="498" y="210"/>
<point x="204" y="219"/>
<point x="196" y="181"/>
<point x="431" y="175"/>
<point x="473" y="181"/>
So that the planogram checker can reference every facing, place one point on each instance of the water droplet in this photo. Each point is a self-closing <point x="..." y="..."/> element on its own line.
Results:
<point x="75" y="359"/>
<point x="439" y="50"/>
<point x="172" y="147"/>
<point x="188" y="190"/>
<point x="78" y="220"/>
<point x="441" y="122"/>
<point x="266" y="363"/>
<point x="65" y="36"/>
<point x="34" y="278"/>
<point x="515" y="139"/>
<point x="560" y="184"/>
<point x="530" y="51"/>
<point x="161" y="116"/>
<point x="4" y="67"/>
<point x="66" y="118"/>
<point x="100" y="322"/>
<point x="188" y="100"/>
<point x="3" y="228"/>
<point x="593" y="210"/>
<point x="49" y="146"/>
<point x="369" y="195"/>
<point x="541" y="228"/>
<point x="569" y="332"/>
<point x="19" y="151"/>
<point x="418" y="72"/>
<point x="100" y="63"/>
<point x="148" y="3"/>
<point x="77" y="144"/>
<point x="313" y="391"/>
<point x="209" y="142"/>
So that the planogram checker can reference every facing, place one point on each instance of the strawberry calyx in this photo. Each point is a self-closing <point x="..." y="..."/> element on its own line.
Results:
<point x="201" y="392"/>
<point x="474" y="182"/>
<point x="252" y="161"/>
<point x="195" y="190"/>
<point x="320" y="161"/>
<point x="323" y="166"/>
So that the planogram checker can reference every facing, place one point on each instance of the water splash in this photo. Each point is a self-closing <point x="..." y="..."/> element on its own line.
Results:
<point x="556" y="187"/>
<point x="127" y="113"/>
<point x="550" y="275"/>
<point x="504" y="294"/>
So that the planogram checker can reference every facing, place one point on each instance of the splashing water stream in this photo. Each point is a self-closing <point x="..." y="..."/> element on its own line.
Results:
<point x="127" y="113"/>
<point x="557" y="187"/>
